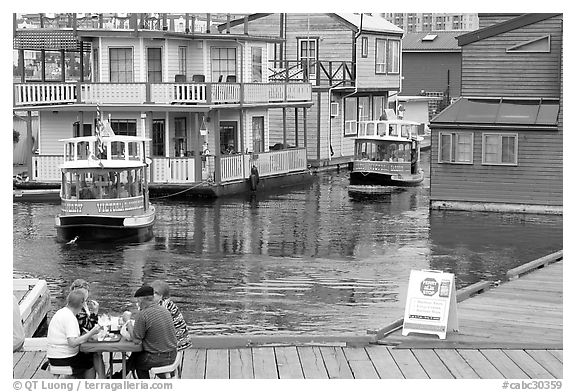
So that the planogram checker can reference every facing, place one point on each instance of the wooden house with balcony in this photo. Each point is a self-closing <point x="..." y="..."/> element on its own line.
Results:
<point x="353" y="62"/>
<point x="203" y="97"/>
<point x="499" y="146"/>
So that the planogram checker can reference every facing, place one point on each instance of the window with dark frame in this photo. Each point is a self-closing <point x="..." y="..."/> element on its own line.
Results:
<point x="158" y="134"/>
<point x="223" y="62"/>
<point x="154" y="65"/>
<point x="182" y="60"/>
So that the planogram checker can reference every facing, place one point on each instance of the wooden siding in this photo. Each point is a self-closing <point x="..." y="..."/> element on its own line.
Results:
<point x="104" y="50"/>
<point x="53" y="127"/>
<point x="536" y="180"/>
<point x="488" y="70"/>
<point x="366" y="66"/>
<point x="429" y="72"/>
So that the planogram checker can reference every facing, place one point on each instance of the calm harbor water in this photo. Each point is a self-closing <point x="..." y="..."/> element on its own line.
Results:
<point x="309" y="260"/>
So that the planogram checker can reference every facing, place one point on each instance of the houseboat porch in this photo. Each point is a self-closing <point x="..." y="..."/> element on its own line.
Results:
<point x="205" y="175"/>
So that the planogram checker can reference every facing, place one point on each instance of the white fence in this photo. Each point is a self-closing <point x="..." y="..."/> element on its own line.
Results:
<point x="183" y="170"/>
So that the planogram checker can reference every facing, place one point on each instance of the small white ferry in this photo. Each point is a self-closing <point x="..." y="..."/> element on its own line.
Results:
<point x="104" y="192"/>
<point x="386" y="153"/>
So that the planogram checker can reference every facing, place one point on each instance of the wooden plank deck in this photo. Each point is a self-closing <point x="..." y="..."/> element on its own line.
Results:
<point x="511" y="331"/>
<point x="369" y="362"/>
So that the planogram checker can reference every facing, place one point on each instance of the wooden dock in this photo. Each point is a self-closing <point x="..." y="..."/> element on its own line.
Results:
<point x="511" y="331"/>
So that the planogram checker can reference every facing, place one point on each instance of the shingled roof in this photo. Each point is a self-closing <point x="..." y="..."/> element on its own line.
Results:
<point x="440" y="41"/>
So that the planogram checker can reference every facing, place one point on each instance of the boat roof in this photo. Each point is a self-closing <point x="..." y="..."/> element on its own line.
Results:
<point x="393" y="120"/>
<point x="104" y="164"/>
<point x="115" y="138"/>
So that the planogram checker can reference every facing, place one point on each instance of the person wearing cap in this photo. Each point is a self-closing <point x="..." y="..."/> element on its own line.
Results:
<point x="154" y="328"/>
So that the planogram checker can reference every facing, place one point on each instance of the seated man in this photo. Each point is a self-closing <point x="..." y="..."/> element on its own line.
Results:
<point x="154" y="328"/>
<point x="64" y="338"/>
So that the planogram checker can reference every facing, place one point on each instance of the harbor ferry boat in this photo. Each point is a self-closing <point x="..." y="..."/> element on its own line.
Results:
<point x="104" y="192"/>
<point x="386" y="153"/>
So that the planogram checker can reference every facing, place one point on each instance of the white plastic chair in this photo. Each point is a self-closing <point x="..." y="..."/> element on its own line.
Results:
<point x="174" y="368"/>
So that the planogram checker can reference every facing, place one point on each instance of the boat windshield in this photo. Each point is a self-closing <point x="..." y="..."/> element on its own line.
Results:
<point x="102" y="184"/>
<point x="373" y="150"/>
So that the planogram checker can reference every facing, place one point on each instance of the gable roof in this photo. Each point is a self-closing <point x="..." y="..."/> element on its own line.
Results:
<point x="370" y="23"/>
<point x="499" y="28"/>
<point x="445" y="41"/>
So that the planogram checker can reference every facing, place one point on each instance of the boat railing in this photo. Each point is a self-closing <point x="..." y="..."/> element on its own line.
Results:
<point x="390" y="128"/>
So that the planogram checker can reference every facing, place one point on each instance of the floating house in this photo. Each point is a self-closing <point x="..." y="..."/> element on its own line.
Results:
<point x="204" y="98"/>
<point x="354" y="63"/>
<point x="499" y="146"/>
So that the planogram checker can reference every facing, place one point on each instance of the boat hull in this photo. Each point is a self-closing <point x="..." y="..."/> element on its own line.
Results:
<point x="370" y="179"/>
<point x="89" y="228"/>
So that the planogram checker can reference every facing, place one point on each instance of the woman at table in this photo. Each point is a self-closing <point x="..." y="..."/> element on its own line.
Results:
<point x="162" y="296"/>
<point x="64" y="339"/>
<point x="87" y="319"/>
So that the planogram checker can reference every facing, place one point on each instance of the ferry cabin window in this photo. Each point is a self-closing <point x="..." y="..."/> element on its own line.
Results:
<point x="381" y="129"/>
<point x="370" y="129"/>
<point x="393" y="130"/>
<point x="104" y="185"/>
<point x="499" y="149"/>
<point x="455" y="147"/>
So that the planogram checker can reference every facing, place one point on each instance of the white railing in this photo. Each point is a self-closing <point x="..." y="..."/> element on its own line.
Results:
<point x="178" y="93"/>
<point x="172" y="170"/>
<point x="298" y="92"/>
<point x="277" y="162"/>
<point x="183" y="170"/>
<point x="225" y="92"/>
<point x="162" y="93"/>
<point x="232" y="167"/>
<point x="47" y="168"/>
<point x="113" y="93"/>
<point x="44" y="93"/>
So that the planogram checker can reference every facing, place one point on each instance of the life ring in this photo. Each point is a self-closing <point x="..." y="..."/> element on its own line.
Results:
<point x="254" y="178"/>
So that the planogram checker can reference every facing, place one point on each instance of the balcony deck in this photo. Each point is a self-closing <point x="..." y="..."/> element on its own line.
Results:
<point x="60" y="93"/>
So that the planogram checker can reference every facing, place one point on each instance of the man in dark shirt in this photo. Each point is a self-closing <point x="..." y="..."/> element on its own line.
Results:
<point x="154" y="328"/>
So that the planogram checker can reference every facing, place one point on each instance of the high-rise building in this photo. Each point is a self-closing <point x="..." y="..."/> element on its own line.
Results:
<point x="419" y="22"/>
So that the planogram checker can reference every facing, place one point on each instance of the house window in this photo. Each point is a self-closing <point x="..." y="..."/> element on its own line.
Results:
<point x="350" y="116"/>
<point x="85" y="130"/>
<point x="393" y="56"/>
<point x="364" y="46"/>
<point x="121" y="66"/>
<point x="182" y="60"/>
<point x="455" y="147"/>
<point x="223" y="62"/>
<point x="364" y="111"/>
<point x="308" y="55"/>
<point x="380" y="56"/>
<point x="499" y="149"/>
<point x="256" y="64"/>
<point x="378" y="106"/>
<point x="154" y="65"/>
<point x="537" y="45"/>
<point x="158" y="134"/>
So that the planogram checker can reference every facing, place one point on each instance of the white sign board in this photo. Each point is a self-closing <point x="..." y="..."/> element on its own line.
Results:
<point x="430" y="304"/>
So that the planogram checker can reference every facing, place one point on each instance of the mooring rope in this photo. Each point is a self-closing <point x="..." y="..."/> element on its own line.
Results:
<point x="182" y="191"/>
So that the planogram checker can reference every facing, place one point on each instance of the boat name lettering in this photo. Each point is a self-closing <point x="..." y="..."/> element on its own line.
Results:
<point x="72" y="207"/>
<point x="118" y="206"/>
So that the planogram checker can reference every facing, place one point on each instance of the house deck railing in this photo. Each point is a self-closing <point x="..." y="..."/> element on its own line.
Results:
<point x="171" y="170"/>
<point x="160" y="93"/>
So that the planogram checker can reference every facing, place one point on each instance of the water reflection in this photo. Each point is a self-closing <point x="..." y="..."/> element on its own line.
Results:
<point x="310" y="260"/>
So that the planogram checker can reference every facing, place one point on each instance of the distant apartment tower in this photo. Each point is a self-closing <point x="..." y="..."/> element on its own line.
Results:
<point x="421" y="22"/>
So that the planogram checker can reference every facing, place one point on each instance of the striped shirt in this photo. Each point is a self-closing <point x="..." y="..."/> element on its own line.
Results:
<point x="179" y="323"/>
<point x="155" y="328"/>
